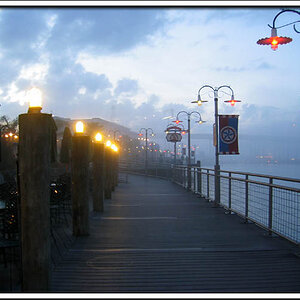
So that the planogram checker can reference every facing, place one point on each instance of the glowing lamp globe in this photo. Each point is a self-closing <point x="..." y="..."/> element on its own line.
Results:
<point x="34" y="97"/>
<point x="232" y="101"/>
<point x="108" y="144"/>
<point x="98" y="137"/>
<point x="114" y="147"/>
<point x="79" y="127"/>
<point x="177" y="121"/>
<point x="274" y="40"/>
<point x="199" y="101"/>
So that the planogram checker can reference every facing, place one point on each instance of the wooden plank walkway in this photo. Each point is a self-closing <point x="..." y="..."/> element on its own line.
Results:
<point x="154" y="236"/>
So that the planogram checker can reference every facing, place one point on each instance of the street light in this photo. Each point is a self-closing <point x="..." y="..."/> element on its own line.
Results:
<point x="175" y="129"/>
<point x="146" y="152"/>
<point x="115" y="131"/>
<point x="200" y="121"/>
<point x="232" y="101"/>
<point x="276" y="40"/>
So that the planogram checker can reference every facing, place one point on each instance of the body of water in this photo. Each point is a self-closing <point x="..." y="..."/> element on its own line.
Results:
<point x="281" y="170"/>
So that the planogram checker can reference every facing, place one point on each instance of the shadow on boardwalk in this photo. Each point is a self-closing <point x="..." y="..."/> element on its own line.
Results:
<point x="154" y="236"/>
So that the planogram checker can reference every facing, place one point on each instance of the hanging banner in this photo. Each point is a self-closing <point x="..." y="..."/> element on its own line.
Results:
<point x="228" y="134"/>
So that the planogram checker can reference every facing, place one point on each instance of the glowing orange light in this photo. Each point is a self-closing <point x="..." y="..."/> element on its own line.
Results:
<point x="114" y="147"/>
<point x="79" y="127"/>
<point x="274" y="40"/>
<point x="34" y="96"/>
<point x="274" y="43"/>
<point x="232" y="101"/>
<point x="98" y="137"/>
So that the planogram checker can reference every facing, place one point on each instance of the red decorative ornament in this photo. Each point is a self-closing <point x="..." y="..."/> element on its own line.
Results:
<point x="177" y="121"/>
<point x="232" y="101"/>
<point x="274" y="40"/>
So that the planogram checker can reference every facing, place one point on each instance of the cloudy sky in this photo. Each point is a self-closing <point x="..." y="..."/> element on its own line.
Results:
<point x="136" y="65"/>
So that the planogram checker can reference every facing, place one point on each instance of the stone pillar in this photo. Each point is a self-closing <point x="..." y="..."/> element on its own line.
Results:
<point x="98" y="176"/>
<point x="80" y="184"/>
<point x="35" y="145"/>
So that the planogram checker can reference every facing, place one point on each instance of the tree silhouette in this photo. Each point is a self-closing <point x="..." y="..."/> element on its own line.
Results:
<point x="65" y="150"/>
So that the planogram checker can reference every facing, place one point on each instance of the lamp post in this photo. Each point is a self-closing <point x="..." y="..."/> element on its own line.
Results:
<point x="175" y="129"/>
<point x="200" y="121"/>
<point x="232" y="102"/>
<point x="146" y="152"/>
<point x="276" y="40"/>
<point x="115" y="131"/>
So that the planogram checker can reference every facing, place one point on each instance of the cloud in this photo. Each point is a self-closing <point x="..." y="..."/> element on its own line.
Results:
<point x="265" y="66"/>
<point x="102" y="30"/>
<point x="126" y="86"/>
<point x="136" y="66"/>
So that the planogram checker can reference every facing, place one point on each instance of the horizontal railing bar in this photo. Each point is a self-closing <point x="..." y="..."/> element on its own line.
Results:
<point x="255" y="175"/>
<point x="263" y="183"/>
<point x="265" y="176"/>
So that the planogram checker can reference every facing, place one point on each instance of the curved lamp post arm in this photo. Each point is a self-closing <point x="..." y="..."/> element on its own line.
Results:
<point x="151" y="130"/>
<point x="200" y="118"/>
<point x="140" y="131"/>
<point x="283" y="11"/>
<point x="204" y="86"/>
<point x="183" y="111"/>
<point x="226" y="86"/>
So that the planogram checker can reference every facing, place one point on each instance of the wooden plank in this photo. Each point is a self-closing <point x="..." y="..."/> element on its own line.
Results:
<point x="148" y="243"/>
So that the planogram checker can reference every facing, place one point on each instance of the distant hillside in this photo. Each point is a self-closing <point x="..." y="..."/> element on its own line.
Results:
<point x="92" y="126"/>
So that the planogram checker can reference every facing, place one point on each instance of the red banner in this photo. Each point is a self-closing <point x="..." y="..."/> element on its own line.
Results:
<point x="228" y="134"/>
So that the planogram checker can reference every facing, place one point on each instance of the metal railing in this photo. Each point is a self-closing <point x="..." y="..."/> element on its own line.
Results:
<point x="154" y="169"/>
<point x="269" y="201"/>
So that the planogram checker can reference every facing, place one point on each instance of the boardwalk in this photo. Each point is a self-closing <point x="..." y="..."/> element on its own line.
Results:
<point x="154" y="236"/>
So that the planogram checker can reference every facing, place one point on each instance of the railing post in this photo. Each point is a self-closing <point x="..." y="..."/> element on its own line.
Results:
<point x="246" y="199"/>
<point x="189" y="177"/>
<point x="229" y="191"/>
<point x="199" y="178"/>
<point x="207" y="180"/>
<point x="270" y="225"/>
<point x="194" y="180"/>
